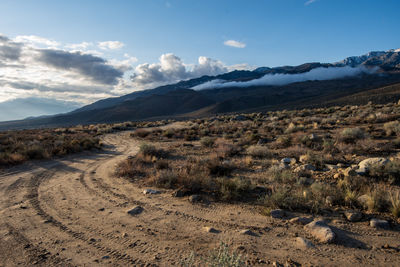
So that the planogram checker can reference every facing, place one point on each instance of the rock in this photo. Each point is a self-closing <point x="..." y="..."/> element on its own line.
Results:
<point x="377" y="223"/>
<point x="135" y="211"/>
<point x="363" y="200"/>
<point x="247" y="232"/>
<point x="195" y="198"/>
<point x="313" y="137"/>
<point x="321" y="231"/>
<point x="151" y="192"/>
<point x="329" y="200"/>
<point x="301" y="220"/>
<point x="181" y="192"/>
<point x="367" y="163"/>
<point x="277" y="214"/>
<point x="305" y="181"/>
<point x="304" y="158"/>
<point x="210" y="229"/>
<point x="283" y="166"/>
<point x="331" y="167"/>
<point x="349" y="172"/>
<point x="303" y="243"/>
<point x="305" y="167"/>
<point x="288" y="160"/>
<point x="353" y="216"/>
<point x="309" y="167"/>
<point x="338" y="175"/>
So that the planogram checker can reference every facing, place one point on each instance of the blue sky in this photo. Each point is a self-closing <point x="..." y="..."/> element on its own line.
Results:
<point x="276" y="32"/>
<point x="140" y="44"/>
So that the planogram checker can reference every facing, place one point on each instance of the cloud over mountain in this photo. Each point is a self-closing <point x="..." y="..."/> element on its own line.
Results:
<point x="316" y="74"/>
<point x="171" y="68"/>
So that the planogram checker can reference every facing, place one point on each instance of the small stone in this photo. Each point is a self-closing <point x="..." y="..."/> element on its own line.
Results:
<point x="301" y="220"/>
<point x="305" y="181"/>
<point x="338" y="175"/>
<point x="247" y="232"/>
<point x="353" y="216"/>
<point x="277" y="214"/>
<point x="321" y="231"/>
<point x="377" y="223"/>
<point x="329" y="200"/>
<point x="151" y="192"/>
<point x="136" y="210"/>
<point x="349" y="172"/>
<point x="210" y="229"/>
<point x="288" y="160"/>
<point x="195" y="198"/>
<point x="105" y="257"/>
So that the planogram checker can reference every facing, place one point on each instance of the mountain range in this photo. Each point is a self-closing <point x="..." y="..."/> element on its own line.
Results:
<point x="371" y="77"/>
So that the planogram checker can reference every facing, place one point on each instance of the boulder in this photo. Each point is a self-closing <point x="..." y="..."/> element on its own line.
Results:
<point x="377" y="223"/>
<point x="353" y="216"/>
<point x="364" y="165"/>
<point x="304" y="158"/>
<point x="321" y="231"/>
<point x="305" y="181"/>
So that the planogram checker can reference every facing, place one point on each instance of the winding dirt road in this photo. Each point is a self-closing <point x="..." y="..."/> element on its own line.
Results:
<point x="73" y="212"/>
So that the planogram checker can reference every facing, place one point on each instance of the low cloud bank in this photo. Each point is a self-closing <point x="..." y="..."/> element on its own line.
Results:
<point x="317" y="74"/>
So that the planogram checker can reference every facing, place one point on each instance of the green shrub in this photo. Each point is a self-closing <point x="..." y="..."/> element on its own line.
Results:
<point x="257" y="151"/>
<point x="351" y="135"/>
<point x="207" y="141"/>
<point x="392" y="128"/>
<point x="234" y="189"/>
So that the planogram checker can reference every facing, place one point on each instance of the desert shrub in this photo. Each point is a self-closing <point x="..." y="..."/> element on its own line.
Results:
<point x="376" y="200"/>
<point x="351" y="135"/>
<point x="389" y="172"/>
<point x="233" y="188"/>
<point x="276" y="174"/>
<point x="226" y="149"/>
<point x="152" y="151"/>
<point x="161" y="165"/>
<point x="219" y="257"/>
<point x="395" y="204"/>
<point x="258" y="151"/>
<point x="36" y="152"/>
<point x="284" y="141"/>
<point x="165" y="179"/>
<point x="284" y="197"/>
<point x="223" y="257"/>
<point x="207" y="141"/>
<point x="218" y="168"/>
<point x="392" y="128"/>
<point x="131" y="168"/>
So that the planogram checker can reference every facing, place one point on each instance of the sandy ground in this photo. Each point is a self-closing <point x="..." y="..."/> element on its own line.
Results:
<point x="73" y="212"/>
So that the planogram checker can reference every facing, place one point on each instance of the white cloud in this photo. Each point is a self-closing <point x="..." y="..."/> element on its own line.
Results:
<point x="317" y="74"/>
<point x="80" y="46"/>
<point x="111" y="45"/>
<point x="309" y="2"/>
<point x="171" y="68"/>
<point x="36" y="41"/>
<point x="234" y="43"/>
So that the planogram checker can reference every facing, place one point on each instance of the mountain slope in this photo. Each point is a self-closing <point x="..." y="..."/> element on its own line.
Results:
<point x="178" y="99"/>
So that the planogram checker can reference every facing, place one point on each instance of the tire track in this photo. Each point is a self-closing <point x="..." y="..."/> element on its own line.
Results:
<point x="33" y="196"/>
<point x="37" y="255"/>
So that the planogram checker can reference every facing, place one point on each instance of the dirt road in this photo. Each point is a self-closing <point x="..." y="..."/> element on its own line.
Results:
<point x="73" y="212"/>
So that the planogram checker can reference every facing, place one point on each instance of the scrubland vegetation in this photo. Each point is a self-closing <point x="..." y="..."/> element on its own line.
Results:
<point x="311" y="160"/>
<point x="23" y="145"/>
